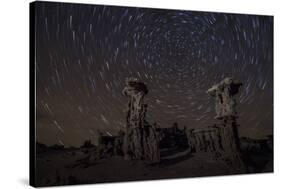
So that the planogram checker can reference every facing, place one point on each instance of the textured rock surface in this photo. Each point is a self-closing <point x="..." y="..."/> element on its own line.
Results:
<point x="141" y="139"/>
<point x="231" y="144"/>
<point x="224" y="93"/>
<point x="221" y="140"/>
<point x="207" y="140"/>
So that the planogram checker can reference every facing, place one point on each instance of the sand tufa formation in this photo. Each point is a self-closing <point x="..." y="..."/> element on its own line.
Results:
<point x="141" y="139"/>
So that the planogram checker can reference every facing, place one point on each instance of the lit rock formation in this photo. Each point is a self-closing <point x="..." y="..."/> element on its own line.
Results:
<point x="141" y="139"/>
<point x="221" y="140"/>
<point x="224" y="93"/>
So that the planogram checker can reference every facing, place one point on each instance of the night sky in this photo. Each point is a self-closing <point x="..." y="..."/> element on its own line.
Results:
<point x="85" y="52"/>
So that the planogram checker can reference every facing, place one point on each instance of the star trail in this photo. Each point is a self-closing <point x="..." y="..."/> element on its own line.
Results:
<point x="84" y="54"/>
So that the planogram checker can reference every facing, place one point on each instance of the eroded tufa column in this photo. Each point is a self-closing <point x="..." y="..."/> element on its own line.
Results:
<point x="225" y="105"/>
<point x="140" y="140"/>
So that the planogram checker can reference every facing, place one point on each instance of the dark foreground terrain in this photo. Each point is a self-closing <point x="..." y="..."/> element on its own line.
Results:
<point x="80" y="165"/>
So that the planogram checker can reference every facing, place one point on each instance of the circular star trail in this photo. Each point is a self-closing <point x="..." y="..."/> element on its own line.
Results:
<point x="84" y="54"/>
